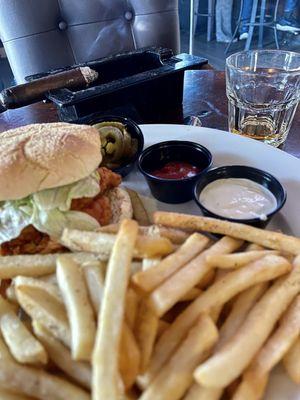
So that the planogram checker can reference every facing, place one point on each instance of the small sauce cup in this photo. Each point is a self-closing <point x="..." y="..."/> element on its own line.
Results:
<point x="157" y="156"/>
<point x="241" y="171"/>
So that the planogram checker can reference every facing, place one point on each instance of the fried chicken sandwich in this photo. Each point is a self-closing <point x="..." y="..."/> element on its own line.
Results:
<point x="50" y="179"/>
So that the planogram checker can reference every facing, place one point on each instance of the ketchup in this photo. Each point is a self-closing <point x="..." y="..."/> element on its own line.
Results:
<point x="176" y="170"/>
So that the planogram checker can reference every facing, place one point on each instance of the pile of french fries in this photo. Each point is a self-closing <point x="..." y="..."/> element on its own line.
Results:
<point x="163" y="312"/>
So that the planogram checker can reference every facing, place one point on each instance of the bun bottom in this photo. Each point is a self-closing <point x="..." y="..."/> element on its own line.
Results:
<point x="120" y="205"/>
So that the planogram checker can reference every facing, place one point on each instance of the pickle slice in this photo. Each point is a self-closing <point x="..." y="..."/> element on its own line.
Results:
<point x="117" y="145"/>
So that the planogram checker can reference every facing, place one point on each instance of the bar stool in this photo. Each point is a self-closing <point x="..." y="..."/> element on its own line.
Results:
<point x="194" y="14"/>
<point x="253" y="23"/>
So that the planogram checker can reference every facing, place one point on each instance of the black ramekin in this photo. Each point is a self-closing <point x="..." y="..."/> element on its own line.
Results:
<point x="156" y="156"/>
<point x="241" y="171"/>
<point x="133" y="129"/>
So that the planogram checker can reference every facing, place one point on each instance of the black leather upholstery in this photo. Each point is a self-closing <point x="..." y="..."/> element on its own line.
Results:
<point x="42" y="34"/>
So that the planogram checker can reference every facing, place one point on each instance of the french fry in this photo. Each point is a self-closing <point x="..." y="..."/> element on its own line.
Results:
<point x="22" y="344"/>
<point x="111" y="228"/>
<point x="10" y="294"/>
<point x="139" y="212"/>
<point x="230" y="361"/>
<point x="176" y="375"/>
<point x="173" y="289"/>
<point x="6" y="395"/>
<point x="131" y="307"/>
<point x="79" y="310"/>
<point x="146" y="327"/>
<point x="102" y="244"/>
<point x="134" y="354"/>
<point x="148" y="280"/>
<point x="94" y="279"/>
<point x="215" y="313"/>
<point x="82" y="257"/>
<point x="151" y="247"/>
<point x="291" y="362"/>
<point x="245" y="390"/>
<point x="105" y="354"/>
<point x="49" y="288"/>
<point x="27" y="265"/>
<point x="43" y="308"/>
<point x="36" y="265"/>
<point x="219" y="293"/>
<point x="255" y="377"/>
<point x="269" y="239"/>
<point x="280" y="341"/>
<point x="61" y="357"/>
<point x="50" y="278"/>
<point x="207" y="280"/>
<point x="37" y="383"/>
<point x="129" y="357"/>
<point x="197" y="392"/>
<point x="191" y="295"/>
<point x="77" y="240"/>
<point x="148" y="263"/>
<point x="236" y="260"/>
<point x="240" y="309"/>
<point x="4" y="352"/>
<point x="177" y="236"/>
<point x="216" y="310"/>
<point x="15" y="334"/>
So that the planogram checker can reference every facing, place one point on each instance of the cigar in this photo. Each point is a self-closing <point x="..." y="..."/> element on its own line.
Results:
<point x="31" y="92"/>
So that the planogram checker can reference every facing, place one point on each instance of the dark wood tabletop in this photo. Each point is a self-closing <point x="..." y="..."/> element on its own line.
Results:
<point x="204" y="95"/>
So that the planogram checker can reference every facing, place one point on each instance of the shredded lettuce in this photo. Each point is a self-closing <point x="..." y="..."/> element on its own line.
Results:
<point x="12" y="221"/>
<point x="49" y="210"/>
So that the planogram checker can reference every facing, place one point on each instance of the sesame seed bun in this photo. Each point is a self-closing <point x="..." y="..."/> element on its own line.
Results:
<point x="43" y="156"/>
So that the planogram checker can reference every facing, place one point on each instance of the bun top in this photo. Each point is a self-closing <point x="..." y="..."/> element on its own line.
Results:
<point x="43" y="156"/>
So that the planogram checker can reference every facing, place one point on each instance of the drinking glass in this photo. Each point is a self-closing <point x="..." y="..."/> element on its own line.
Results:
<point x="263" y="90"/>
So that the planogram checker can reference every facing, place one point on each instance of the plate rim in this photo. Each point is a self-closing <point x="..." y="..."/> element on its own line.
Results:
<point x="266" y="146"/>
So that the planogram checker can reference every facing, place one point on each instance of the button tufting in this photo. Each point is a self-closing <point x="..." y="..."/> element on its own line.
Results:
<point x="128" y="15"/>
<point x="63" y="25"/>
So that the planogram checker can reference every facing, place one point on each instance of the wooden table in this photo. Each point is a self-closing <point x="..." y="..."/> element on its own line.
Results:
<point x="204" y="95"/>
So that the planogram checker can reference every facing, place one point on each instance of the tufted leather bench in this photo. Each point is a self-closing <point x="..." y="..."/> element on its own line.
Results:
<point x="42" y="34"/>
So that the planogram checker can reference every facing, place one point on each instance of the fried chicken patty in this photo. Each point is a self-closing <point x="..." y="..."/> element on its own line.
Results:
<point x="99" y="206"/>
<point x="31" y="241"/>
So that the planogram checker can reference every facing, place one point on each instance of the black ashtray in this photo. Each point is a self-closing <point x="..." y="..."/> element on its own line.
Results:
<point x="147" y="80"/>
<point x="156" y="156"/>
<point x="133" y="129"/>
<point x="240" y="171"/>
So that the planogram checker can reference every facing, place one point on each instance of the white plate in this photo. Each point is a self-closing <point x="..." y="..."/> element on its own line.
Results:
<point x="229" y="149"/>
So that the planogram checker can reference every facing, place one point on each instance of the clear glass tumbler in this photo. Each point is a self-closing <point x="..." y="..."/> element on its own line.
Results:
<point x="263" y="90"/>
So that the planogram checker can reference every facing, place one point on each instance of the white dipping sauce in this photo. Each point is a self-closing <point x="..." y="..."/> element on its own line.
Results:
<point x="238" y="198"/>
